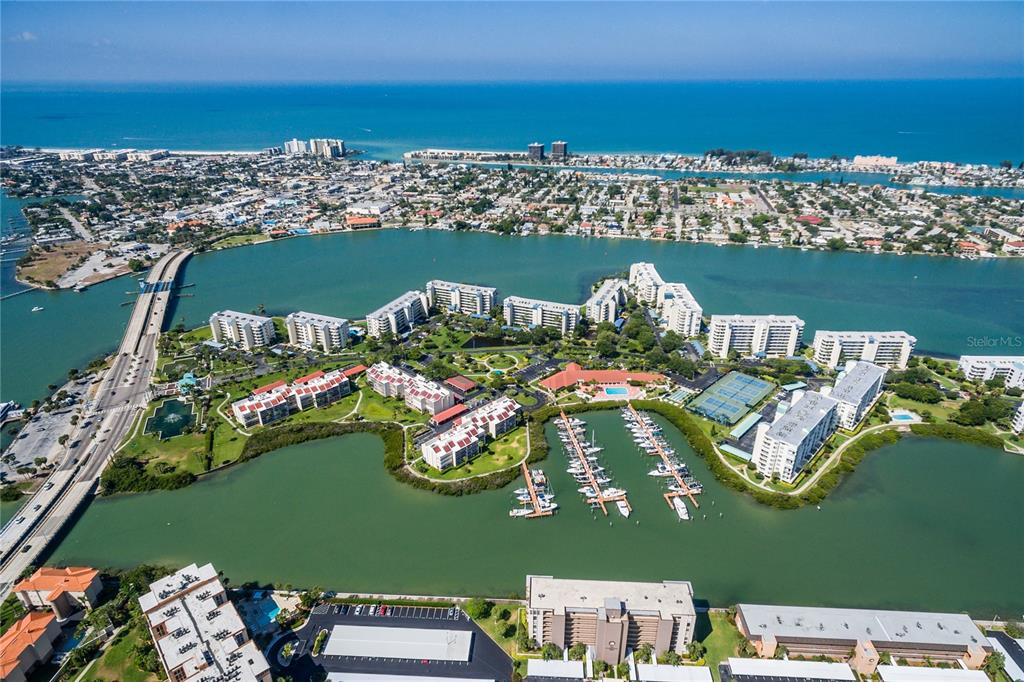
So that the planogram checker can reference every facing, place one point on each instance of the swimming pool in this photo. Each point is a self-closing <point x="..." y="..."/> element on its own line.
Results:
<point x="616" y="391"/>
<point x="903" y="417"/>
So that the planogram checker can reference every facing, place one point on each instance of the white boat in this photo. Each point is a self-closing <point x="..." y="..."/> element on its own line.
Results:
<point x="551" y="506"/>
<point x="521" y="491"/>
<point x="37" y="308"/>
<point x="518" y="513"/>
<point x="680" y="507"/>
<point x="586" y="490"/>
<point x="613" y="492"/>
<point x="623" y="508"/>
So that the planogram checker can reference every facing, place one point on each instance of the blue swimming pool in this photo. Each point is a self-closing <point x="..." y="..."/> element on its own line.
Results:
<point x="903" y="417"/>
<point x="616" y="391"/>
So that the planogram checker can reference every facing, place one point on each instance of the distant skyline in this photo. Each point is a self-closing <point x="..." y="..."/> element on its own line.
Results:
<point x="513" y="41"/>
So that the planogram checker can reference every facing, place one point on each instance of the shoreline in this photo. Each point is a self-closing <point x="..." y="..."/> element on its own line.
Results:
<point x="413" y="156"/>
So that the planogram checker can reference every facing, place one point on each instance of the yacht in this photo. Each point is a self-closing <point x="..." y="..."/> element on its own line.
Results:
<point x="680" y="507"/>
<point x="518" y="513"/>
<point x="37" y="308"/>
<point x="623" y="508"/>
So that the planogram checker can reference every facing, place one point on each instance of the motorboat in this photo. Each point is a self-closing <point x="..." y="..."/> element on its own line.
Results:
<point x="37" y="308"/>
<point x="680" y="507"/>
<point x="623" y="508"/>
<point x="519" y="513"/>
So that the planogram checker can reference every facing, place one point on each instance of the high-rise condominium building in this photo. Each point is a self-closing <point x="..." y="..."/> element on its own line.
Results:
<point x="887" y="349"/>
<point x="398" y="316"/>
<point x="242" y="329"/>
<point x="767" y="335"/>
<point x="321" y="332"/>
<point x="611" y="616"/>
<point x="455" y="297"/>
<point x="784" y="447"/>
<point x="528" y="312"/>
<point x="604" y="305"/>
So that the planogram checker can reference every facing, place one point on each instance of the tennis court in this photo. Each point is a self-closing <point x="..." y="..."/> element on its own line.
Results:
<point x="731" y="397"/>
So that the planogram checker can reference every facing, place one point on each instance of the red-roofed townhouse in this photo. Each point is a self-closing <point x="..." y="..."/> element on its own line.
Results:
<point x="63" y="590"/>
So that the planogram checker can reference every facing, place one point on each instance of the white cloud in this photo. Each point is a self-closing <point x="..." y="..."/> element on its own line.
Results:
<point x="23" y="37"/>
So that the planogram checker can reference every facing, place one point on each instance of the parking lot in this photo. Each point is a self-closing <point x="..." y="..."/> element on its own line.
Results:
<point x="486" y="660"/>
<point x="384" y="611"/>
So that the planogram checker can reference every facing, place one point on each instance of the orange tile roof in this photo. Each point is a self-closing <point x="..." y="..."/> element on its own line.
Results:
<point x="21" y="636"/>
<point x="361" y="220"/>
<point x="574" y="374"/>
<point x="58" y="580"/>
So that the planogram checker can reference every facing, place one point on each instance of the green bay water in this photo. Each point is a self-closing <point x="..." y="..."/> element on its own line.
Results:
<point x="922" y="524"/>
<point x="953" y="306"/>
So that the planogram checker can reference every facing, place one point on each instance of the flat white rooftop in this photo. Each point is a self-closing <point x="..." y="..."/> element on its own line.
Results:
<point x="536" y="667"/>
<point x="914" y="627"/>
<point x="813" y="670"/>
<point x="647" y="672"/>
<point x="903" y="673"/>
<point x="668" y="598"/>
<point x="411" y="643"/>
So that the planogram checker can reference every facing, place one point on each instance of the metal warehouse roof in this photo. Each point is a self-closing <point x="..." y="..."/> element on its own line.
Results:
<point x="411" y="643"/>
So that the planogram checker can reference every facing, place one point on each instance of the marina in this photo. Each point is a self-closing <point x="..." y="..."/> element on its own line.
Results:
<point x="536" y="499"/>
<point x="587" y="470"/>
<point x="648" y="438"/>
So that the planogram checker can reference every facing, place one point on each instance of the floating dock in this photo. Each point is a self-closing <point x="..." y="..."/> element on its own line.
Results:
<point x="535" y="507"/>
<point x="581" y="455"/>
<point x="670" y="465"/>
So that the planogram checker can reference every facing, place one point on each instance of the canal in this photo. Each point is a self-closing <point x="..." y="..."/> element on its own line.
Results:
<point x="922" y="524"/>
<point x="952" y="306"/>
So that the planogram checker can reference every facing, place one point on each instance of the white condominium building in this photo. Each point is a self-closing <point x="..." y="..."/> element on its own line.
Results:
<point x="113" y="155"/>
<point x="79" y="154"/>
<point x="888" y="349"/>
<point x="399" y="315"/>
<point x="612" y="616"/>
<point x="768" y="335"/>
<point x="1018" y="420"/>
<point x="321" y="332"/>
<point x="242" y="329"/>
<point x="528" y="312"/>
<point x="419" y="393"/>
<point x="646" y="282"/>
<point x="606" y="302"/>
<point x="147" y="155"/>
<point x="455" y="297"/>
<point x="463" y="440"/>
<point x="856" y="391"/>
<point x="680" y="311"/>
<point x="331" y="149"/>
<point x="784" y="447"/>
<point x="197" y="631"/>
<point x="986" y="367"/>
<point x="273" y="402"/>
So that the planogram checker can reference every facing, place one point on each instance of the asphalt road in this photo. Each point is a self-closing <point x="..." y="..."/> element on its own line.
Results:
<point x="106" y="418"/>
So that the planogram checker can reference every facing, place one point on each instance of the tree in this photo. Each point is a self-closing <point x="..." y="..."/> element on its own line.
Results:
<point x="696" y="650"/>
<point x="577" y="651"/>
<point x="550" y="652"/>
<point x="606" y="345"/>
<point x="478" y="608"/>
<point x="994" y="663"/>
<point x="644" y="653"/>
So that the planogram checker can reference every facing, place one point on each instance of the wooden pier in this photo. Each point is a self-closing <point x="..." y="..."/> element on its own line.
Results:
<point x="538" y="511"/>
<point x="669" y="465"/>
<point x="581" y="455"/>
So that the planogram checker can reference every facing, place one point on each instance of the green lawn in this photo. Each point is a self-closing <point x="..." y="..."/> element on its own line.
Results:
<point x="185" y="452"/>
<point x="719" y="636"/>
<point x="329" y="413"/>
<point x="376" y="407"/>
<point x="240" y="240"/>
<point x="117" y="664"/>
<point x="940" y="411"/>
<point x="504" y="452"/>
<point x="503" y="631"/>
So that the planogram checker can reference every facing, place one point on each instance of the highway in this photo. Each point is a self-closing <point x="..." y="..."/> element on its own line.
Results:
<point x="122" y="393"/>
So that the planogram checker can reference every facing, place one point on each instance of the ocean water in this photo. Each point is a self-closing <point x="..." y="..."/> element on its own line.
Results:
<point x="955" y="120"/>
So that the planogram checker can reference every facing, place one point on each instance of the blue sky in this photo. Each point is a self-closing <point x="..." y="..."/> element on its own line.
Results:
<point x="476" y="41"/>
